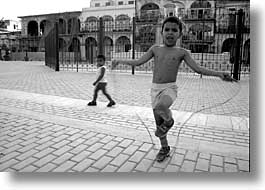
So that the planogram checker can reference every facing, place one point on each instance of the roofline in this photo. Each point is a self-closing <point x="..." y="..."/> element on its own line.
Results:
<point x="61" y="13"/>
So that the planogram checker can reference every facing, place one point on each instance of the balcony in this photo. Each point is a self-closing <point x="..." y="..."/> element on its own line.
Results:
<point x="196" y="39"/>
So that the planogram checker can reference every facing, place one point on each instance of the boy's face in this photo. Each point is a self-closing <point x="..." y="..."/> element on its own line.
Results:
<point x="100" y="62"/>
<point x="170" y="34"/>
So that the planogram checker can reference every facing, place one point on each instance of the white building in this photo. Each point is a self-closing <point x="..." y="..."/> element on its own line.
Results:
<point x="11" y="26"/>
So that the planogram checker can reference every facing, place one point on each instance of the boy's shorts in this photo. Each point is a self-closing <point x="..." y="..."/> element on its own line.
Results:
<point x="160" y="90"/>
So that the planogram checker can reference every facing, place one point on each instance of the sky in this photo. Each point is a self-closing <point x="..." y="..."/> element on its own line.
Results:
<point x="11" y="9"/>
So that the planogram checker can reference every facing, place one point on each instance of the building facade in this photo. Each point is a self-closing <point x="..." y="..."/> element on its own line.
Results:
<point x="210" y="26"/>
<point x="9" y="32"/>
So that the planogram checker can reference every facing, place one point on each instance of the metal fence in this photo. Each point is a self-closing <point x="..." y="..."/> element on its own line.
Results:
<point x="219" y="42"/>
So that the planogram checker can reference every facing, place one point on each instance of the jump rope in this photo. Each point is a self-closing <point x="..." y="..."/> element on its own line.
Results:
<point x="193" y="113"/>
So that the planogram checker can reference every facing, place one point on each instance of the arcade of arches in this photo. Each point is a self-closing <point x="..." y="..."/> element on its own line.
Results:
<point x="121" y="26"/>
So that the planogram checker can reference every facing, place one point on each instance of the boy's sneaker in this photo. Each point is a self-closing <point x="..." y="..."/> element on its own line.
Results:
<point x="161" y="130"/>
<point x="163" y="153"/>
<point x="112" y="103"/>
<point x="92" y="103"/>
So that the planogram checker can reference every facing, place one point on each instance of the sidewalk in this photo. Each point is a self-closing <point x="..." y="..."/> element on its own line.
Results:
<point x="47" y="132"/>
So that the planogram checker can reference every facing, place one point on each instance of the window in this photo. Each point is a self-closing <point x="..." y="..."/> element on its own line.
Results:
<point x="97" y="5"/>
<point x="130" y="2"/>
<point x="120" y="3"/>
<point x="107" y="3"/>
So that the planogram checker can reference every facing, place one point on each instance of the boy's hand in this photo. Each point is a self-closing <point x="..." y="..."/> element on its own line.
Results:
<point x="227" y="77"/>
<point x="94" y="83"/>
<point x="114" y="64"/>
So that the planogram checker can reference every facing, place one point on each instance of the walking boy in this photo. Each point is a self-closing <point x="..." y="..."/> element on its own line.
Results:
<point x="101" y="82"/>
<point x="167" y="59"/>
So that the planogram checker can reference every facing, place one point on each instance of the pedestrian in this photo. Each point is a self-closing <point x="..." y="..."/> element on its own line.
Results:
<point x="101" y="82"/>
<point x="167" y="59"/>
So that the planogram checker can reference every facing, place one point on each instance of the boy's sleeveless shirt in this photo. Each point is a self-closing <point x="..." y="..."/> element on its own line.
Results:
<point x="104" y="79"/>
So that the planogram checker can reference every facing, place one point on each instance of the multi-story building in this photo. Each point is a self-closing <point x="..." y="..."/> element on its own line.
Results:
<point x="9" y="32"/>
<point x="210" y="26"/>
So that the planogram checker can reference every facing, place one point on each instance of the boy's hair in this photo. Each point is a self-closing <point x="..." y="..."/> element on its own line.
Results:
<point x="100" y="56"/>
<point x="173" y="19"/>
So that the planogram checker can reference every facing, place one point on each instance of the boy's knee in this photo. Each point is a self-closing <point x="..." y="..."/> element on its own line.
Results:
<point x="164" y="103"/>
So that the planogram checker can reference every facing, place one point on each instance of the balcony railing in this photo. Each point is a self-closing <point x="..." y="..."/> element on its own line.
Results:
<point x="196" y="39"/>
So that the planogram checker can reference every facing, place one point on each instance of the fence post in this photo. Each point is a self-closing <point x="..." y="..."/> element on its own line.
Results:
<point x="101" y="37"/>
<point x="133" y="45"/>
<point x="57" y="67"/>
<point x="239" y="27"/>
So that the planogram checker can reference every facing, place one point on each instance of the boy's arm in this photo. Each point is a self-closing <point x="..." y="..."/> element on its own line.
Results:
<point x="145" y="57"/>
<point x="102" y="72"/>
<point x="201" y="70"/>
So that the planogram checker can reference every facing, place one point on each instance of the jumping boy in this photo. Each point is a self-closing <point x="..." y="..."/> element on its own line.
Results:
<point x="167" y="59"/>
<point x="101" y="82"/>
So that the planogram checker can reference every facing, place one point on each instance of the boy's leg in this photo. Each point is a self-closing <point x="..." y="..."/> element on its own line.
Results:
<point x="94" y="101"/>
<point x="104" y="91"/>
<point x="95" y="96"/>
<point x="162" y="109"/>
<point x="158" y="119"/>
<point x="164" y="151"/>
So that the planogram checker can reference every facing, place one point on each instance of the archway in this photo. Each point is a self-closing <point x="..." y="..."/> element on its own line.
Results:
<point x="108" y="45"/>
<point x="62" y="26"/>
<point x="150" y="11"/>
<point x="74" y="46"/>
<point x="45" y="27"/>
<point x="62" y="44"/>
<point x="73" y="25"/>
<point x="123" y="44"/>
<point x="33" y="28"/>
<point x="91" y="49"/>
<point x="229" y="46"/>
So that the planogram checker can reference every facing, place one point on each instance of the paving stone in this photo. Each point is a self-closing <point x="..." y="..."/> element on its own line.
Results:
<point x="65" y="166"/>
<point x="102" y="162"/>
<point x="44" y="160"/>
<point x="96" y="155"/>
<point x="24" y="163"/>
<point x="144" y="165"/>
<point x="81" y="156"/>
<point x="230" y="167"/>
<point x="243" y="165"/>
<point x="62" y="158"/>
<point x="29" y="169"/>
<point x="83" y="165"/>
<point x="47" y="168"/>
<point x="137" y="156"/>
<point x="109" y="168"/>
<point x="115" y="151"/>
<point x="216" y="169"/>
<point x="217" y="160"/>
<point x="172" y="168"/>
<point x="130" y="150"/>
<point x="187" y="166"/>
<point x="4" y="166"/>
<point x="119" y="160"/>
<point x="127" y="167"/>
<point x="202" y="164"/>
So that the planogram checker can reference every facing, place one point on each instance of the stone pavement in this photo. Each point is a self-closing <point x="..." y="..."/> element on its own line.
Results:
<point x="45" y="125"/>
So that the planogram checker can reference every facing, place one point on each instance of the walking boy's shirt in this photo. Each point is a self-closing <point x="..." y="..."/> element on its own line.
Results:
<point x="167" y="59"/>
<point x="99" y="73"/>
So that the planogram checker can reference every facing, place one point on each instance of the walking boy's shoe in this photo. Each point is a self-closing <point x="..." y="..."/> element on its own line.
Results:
<point x="92" y="103"/>
<point x="112" y="103"/>
<point x="161" y="130"/>
<point x="163" y="154"/>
